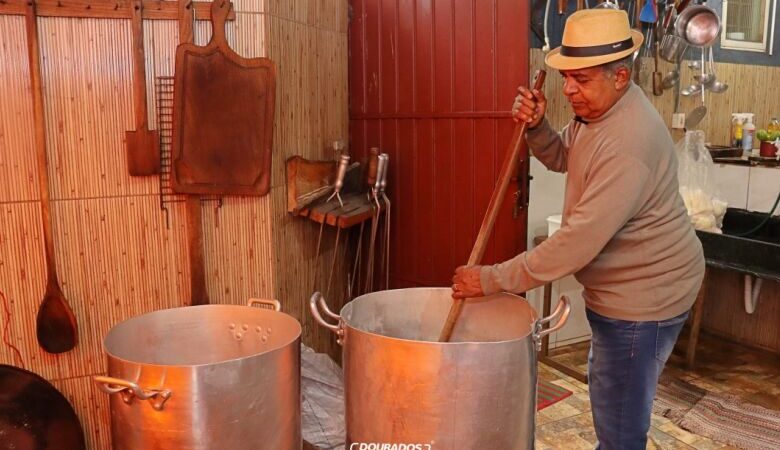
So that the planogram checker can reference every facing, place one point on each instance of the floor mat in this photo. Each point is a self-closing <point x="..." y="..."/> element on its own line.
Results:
<point x="549" y="394"/>
<point x="721" y="417"/>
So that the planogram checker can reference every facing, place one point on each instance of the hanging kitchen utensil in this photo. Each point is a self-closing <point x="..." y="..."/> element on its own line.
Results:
<point x="508" y="169"/>
<point x="695" y="116"/>
<point x="649" y="13"/>
<point x="677" y="88"/>
<point x="716" y="86"/>
<point x="371" y="174"/>
<point x="192" y="207"/>
<point x="223" y="117"/>
<point x="657" y="76"/>
<point x="35" y="415"/>
<point x="56" y="326"/>
<point x="384" y="254"/>
<point x="339" y="183"/>
<point x="699" y="25"/>
<point x="580" y="5"/>
<point x="691" y="90"/>
<point x="142" y="145"/>
<point x="698" y="113"/>
<point x="562" y="7"/>
<point x="376" y="198"/>
<point x="546" y="46"/>
<point x="673" y="48"/>
<point x="705" y="79"/>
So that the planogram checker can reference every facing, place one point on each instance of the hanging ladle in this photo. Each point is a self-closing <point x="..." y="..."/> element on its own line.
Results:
<point x="691" y="90"/>
<point x="670" y="79"/>
<point x="717" y="86"/>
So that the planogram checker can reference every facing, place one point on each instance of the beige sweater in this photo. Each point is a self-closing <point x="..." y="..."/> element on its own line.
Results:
<point x="625" y="233"/>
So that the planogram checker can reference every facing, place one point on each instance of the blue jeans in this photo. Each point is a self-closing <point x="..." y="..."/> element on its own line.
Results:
<point x="625" y="361"/>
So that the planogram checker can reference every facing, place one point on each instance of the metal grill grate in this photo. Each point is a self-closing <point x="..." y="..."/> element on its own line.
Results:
<point x="164" y="89"/>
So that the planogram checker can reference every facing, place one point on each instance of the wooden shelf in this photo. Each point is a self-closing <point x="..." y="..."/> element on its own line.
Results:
<point x="357" y="209"/>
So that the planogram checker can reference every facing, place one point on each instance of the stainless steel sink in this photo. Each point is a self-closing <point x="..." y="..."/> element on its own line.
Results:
<point x="756" y="254"/>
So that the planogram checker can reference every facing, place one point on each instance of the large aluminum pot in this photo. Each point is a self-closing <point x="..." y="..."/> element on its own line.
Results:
<point x="477" y="391"/>
<point x="205" y="377"/>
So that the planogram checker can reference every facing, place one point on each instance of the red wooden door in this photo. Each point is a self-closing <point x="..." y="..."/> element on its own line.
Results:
<point x="431" y="84"/>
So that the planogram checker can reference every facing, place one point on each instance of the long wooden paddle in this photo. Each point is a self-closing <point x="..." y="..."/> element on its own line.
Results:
<point x="507" y="169"/>
<point x="56" y="326"/>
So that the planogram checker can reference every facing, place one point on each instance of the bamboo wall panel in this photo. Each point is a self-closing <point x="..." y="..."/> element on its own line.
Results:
<point x="22" y="281"/>
<point x="311" y="113"/>
<point x="751" y="89"/>
<point x="91" y="405"/>
<point x="239" y="251"/>
<point x="724" y="311"/>
<point x="17" y="152"/>
<point x="87" y="90"/>
<point x="251" y="31"/>
<point x="115" y="259"/>
<point x="117" y="256"/>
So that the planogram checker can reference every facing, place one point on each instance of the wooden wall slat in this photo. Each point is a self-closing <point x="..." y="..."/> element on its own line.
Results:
<point x="313" y="64"/>
<point x="91" y="405"/>
<point x="239" y="250"/>
<point x="22" y="281"/>
<point x="88" y="102"/>
<point x="17" y="153"/>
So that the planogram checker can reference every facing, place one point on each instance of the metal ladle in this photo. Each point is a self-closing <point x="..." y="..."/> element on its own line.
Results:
<point x="671" y="79"/>
<point x="705" y="78"/>
<point x="718" y="87"/>
<point x="691" y="90"/>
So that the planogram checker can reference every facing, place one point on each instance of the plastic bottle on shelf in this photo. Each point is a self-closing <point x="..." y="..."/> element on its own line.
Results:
<point x="748" y="133"/>
<point x="736" y="130"/>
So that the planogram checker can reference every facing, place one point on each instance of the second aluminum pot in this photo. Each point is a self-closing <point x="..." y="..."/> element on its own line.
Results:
<point x="403" y="387"/>
<point x="209" y="377"/>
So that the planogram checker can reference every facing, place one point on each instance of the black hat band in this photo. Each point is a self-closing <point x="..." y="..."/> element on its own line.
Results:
<point x="597" y="50"/>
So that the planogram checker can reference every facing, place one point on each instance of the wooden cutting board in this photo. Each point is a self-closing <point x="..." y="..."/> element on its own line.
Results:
<point x="223" y="117"/>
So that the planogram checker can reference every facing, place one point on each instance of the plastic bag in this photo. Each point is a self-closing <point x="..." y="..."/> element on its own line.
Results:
<point x="705" y="206"/>
<point x="322" y="389"/>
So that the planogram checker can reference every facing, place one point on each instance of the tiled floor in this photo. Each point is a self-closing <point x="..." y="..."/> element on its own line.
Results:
<point x="721" y="366"/>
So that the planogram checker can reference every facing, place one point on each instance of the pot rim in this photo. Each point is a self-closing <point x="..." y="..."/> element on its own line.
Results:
<point x="528" y="336"/>
<point x="297" y="338"/>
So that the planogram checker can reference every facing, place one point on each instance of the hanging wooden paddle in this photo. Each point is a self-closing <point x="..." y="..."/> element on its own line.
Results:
<point x="56" y="327"/>
<point x="223" y="117"/>
<point x="507" y="169"/>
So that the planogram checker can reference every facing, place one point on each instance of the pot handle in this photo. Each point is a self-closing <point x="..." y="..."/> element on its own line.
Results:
<point x="130" y="390"/>
<point x="316" y="302"/>
<point x="561" y="313"/>
<point x="265" y="303"/>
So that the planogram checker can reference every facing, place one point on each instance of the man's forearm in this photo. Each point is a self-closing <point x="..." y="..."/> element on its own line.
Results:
<point x="547" y="146"/>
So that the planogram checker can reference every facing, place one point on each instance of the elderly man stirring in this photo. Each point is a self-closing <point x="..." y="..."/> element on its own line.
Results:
<point x="625" y="233"/>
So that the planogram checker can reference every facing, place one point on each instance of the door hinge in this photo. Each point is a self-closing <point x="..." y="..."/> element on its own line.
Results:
<point x="521" y="197"/>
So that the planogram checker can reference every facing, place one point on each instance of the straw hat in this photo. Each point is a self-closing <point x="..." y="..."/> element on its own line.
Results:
<point x="593" y="37"/>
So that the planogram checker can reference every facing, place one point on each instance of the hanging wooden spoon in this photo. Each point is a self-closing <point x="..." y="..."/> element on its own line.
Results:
<point x="55" y="325"/>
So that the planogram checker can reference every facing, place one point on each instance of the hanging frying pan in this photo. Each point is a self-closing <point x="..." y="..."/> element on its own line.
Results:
<point x="34" y="415"/>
